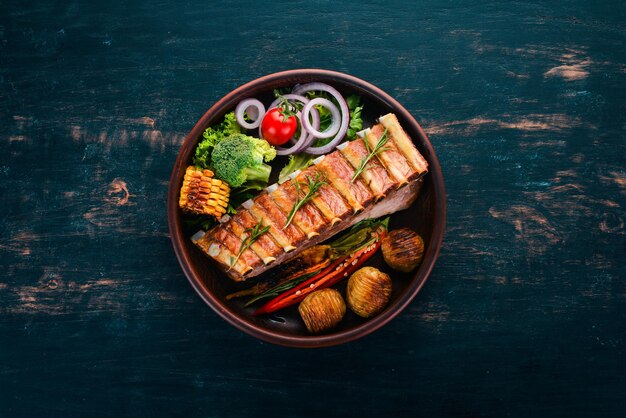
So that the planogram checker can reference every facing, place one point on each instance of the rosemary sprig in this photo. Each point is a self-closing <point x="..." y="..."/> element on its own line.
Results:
<point x="314" y="185"/>
<point x="371" y="153"/>
<point x="281" y="287"/>
<point x="254" y="234"/>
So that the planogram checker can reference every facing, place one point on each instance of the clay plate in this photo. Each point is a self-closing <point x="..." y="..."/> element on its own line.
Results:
<point x="426" y="216"/>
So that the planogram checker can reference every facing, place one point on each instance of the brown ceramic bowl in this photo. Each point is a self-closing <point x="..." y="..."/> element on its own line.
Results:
<point x="426" y="216"/>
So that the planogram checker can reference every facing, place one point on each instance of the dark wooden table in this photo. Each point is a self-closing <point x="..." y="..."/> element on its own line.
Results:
<point x="524" y="314"/>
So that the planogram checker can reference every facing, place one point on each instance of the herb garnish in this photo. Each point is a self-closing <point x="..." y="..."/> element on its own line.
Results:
<point x="371" y="153"/>
<point x="255" y="232"/>
<point x="282" y="287"/>
<point x="199" y="221"/>
<point x="356" y="123"/>
<point x="285" y="107"/>
<point x="314" y="185"/>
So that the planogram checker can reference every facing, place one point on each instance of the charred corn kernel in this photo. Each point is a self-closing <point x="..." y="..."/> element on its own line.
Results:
<point x="202" y="194"/>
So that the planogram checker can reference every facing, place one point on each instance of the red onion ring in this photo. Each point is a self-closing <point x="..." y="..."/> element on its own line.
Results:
<point x="297" y="147"/>
<point x="290" y="97"/>
<point x="343" y="107"/>
<point x="305" y="139"/>
<point x="256" y="116"/>
<point x="335" y="116"/>
<point x="299" y="144"/>
<point x="315" y="114"/>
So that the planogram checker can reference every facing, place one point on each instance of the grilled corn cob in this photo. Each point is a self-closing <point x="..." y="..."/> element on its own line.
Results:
<point x="202" y="194"/>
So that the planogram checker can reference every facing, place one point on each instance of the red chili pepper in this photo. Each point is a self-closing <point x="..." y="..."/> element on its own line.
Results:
<point x="279" y="301"/>
<point x="326" y="278"/>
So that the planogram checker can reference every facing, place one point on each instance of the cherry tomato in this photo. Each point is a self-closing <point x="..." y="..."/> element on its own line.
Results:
<point x="275" y="129"/>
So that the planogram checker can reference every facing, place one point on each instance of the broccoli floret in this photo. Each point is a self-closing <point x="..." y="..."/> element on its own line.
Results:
<point x="239" y="158"/>
<point x="211" y="136"/>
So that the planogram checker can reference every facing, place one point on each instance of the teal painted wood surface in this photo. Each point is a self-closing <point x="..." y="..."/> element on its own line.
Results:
<point x="524" y="314"/>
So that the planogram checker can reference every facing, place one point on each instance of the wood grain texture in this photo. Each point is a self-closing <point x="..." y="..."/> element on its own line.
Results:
<point x="524" y="314"/>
